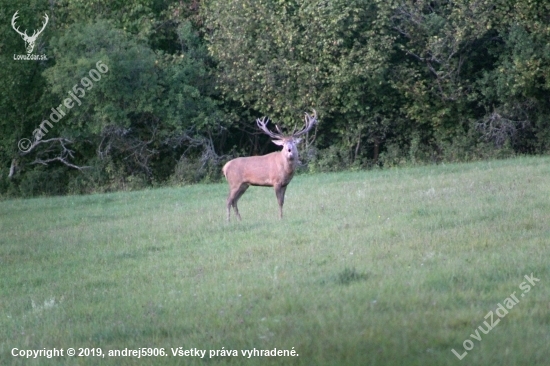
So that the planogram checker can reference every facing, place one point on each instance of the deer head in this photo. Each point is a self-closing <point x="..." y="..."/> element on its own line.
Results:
<point x="29" y="40"/>
<point x="289" y="143"/>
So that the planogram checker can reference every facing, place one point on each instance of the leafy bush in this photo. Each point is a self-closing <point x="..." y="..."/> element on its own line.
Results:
<point x="43" y="181"/>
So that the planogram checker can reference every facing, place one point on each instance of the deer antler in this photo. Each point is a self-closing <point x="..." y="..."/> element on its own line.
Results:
<point x="310" y="122"/>
<point x="262" y="125"/>
<point x="15" y="16"/>
<point x="35" y="34"/>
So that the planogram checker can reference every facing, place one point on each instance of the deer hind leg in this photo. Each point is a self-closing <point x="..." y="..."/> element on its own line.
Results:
<point x="234" y="196"/>
<point x="280" y="192"/>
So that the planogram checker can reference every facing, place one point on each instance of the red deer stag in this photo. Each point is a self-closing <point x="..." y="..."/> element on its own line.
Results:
<point x="272" y="170"/>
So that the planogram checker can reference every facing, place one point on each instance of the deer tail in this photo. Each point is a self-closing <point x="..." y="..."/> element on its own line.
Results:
<point x="224" y="170"/>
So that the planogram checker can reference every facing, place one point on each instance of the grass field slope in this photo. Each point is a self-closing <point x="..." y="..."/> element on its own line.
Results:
<point x="410" y="266"/>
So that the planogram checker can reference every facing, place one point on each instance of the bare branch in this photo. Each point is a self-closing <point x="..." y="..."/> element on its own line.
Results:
<point x="498" y="129"/>
<point x="61" y="160"/>
<point x="56" y="145"/>
<point x="61" y="140"/>
<point x="133" y="144"/>
<point x="206" y="143"/>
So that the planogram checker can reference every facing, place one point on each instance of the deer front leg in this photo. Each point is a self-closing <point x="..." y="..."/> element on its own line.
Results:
<point x="280" y="192"/>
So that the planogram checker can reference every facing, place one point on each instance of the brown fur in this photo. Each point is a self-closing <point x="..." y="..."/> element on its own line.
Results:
<point x="272" y="170"/>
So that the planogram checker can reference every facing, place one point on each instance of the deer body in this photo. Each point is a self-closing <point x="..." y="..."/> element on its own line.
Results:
<point x="267" y="171"/>
<point x="272" y="170"/>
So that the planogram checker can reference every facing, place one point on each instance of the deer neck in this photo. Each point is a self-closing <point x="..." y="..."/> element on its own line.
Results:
<point x="289" y="165"/>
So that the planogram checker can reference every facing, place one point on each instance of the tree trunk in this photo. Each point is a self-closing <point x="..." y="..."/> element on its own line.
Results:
<point x="12" y="168"/>
<point x="376" y="150"/>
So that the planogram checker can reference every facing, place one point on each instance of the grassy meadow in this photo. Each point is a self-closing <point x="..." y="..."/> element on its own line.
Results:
<point x="380" y="267"/>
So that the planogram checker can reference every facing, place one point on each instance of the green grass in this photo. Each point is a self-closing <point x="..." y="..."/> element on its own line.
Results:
<point x="383" y="267"/>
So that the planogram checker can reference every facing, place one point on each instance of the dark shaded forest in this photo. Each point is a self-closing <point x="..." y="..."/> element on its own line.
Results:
<point x="118" y="95"/>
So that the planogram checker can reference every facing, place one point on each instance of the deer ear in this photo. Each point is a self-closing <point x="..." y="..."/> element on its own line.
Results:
<point x="278" y="142"/>
<point x="297" y="140"/>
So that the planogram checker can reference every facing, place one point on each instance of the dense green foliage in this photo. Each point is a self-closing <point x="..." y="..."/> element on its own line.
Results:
<point x="394" y="82"/>
<point x="383" y="267"/>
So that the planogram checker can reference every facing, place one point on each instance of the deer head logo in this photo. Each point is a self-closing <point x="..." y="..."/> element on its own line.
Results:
<point x="29" y="40"/>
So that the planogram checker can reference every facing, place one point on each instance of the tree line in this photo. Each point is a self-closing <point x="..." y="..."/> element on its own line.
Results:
<point x="181" y="83"/>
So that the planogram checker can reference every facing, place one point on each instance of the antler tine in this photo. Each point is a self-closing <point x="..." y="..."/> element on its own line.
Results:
<point x="309" y="121"/>
<point x="13" y="19"/>
<point x="45" y="23"/>
<point x="35" y="33"/>
<point x="262" y="124"/>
